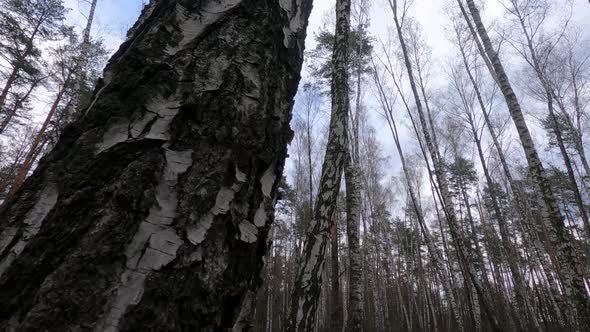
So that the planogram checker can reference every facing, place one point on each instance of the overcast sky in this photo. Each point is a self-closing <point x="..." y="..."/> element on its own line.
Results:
<point x="114" y="17"/>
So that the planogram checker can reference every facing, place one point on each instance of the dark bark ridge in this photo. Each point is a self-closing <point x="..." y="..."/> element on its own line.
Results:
<point x="154" y="210"/>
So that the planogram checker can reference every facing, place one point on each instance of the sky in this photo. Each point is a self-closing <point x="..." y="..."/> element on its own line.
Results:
<point x="112" y="20"/>
<point x="115" y="17"/>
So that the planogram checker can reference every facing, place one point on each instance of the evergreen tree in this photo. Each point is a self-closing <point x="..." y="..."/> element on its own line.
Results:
<point x="25" y="25"/>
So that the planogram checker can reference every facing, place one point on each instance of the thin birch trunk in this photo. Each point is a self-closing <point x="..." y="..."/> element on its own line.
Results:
<point x="19" y="64"/>
<point x="309" y="280"/>
<point x="514" y="187"/>
<point x="434" y="252"/>
<point x="578" y="142"/>
<point x="336" y="307"/>
<point x="442" y="181"/>
<point x="572" y="274"/>
<point x="541" y="75"/>
<point x="355" y="302"/>
<point x="510" y="249"/>
<point x="18" y="103"/>
<point x="84" y="55"/>
<point x="269" y="306"/>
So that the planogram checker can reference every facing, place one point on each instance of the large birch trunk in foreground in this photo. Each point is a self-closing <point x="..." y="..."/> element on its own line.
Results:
<point x="153" y="211"/>
<point x="308" y="282"/>
<point x="571" y="272"/>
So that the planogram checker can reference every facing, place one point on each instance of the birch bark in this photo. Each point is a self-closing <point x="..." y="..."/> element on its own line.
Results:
<point x="307" y="287"/>
<point x="153" y="211"/>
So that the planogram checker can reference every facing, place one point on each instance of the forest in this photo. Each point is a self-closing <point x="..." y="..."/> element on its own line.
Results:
<point x="294" y="165"/>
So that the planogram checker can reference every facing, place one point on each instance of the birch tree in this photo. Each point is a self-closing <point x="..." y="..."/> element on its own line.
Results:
<point x="387" y="102"/>
<point x="154" y="211"/>
<point x="537" y="50"/>
<point x="572" y="275"/>
<point x="467" y="106"/>
<point x="308" y="282"/>
<point x="432" y="149"/>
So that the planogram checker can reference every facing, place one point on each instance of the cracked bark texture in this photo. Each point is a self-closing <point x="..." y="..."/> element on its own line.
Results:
<point x="571" y="272"/>
<point x="336" y="310"/>
<point x="308" y="281"/>
<point x="153" y="211"/>
<point x="353" y="207"/>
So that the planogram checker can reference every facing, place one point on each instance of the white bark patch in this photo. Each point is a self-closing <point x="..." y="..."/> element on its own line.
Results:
<point x="296" y="22"/>
<point x="161" y="109"/>
<point x="308" y="270"/>
<point x="311" y="263"/>
<point x="178" y="163"/>
<point x="165" y="211"/>
<point x="191" y="26"/>
<point x="248" y="231"/>
<point x="224" y="197"/>
<point x="260" y="216"/>
<point x="196" y="234"/>
<point x="137" y="245"/>
<point x="267" y="180"/>
<point x="6" y="237"/>
<point x="129" y="293"/>
<point x="117" y="133"/>
<point x="165" y="110"/>
<point x="136" y="128"/>
<point x="155" y="243"/>
<point x="246" y="311"/>
<point x="240" y="176"/>
<point x="107" y="81"/>
<point x="31" y="224"/>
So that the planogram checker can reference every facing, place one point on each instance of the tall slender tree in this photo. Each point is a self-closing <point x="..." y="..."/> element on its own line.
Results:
<point x="470" y="117"/>
<point x="443" y="186"/>
<point x="436" y="257"/>
<point x="24" y="23"/>
<point x="307" y="287"/>
<point x="572" y="275"/>
<point x="530" y="17"/>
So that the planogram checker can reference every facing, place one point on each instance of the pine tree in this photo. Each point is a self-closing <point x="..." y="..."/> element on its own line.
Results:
<point x="24" y="24"/>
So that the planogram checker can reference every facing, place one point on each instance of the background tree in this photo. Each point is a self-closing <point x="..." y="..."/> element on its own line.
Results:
<point x="24" y="24"/>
